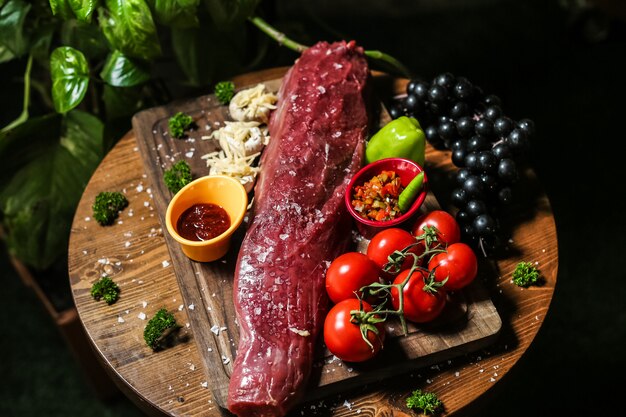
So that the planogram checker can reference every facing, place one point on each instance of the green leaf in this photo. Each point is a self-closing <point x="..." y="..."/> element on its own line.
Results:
<point x="61" y="8"/>
<point x="83" y="9"/>
<point x="70" y="78"/>
<point x="176" y="13"/>
<point x="84" y="37"/>
<point x="50" y="160"/>
<point x="129" y="28"/>
<point x="5" y="54"/>
<point x="120" y="71"/>
<point x="227" y="13"/>
<point x="12" y="18"/>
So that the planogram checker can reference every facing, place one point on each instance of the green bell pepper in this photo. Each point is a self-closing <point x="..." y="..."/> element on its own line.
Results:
<point x="400" y="138"/>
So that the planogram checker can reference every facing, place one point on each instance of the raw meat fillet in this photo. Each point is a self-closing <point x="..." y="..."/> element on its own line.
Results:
<point x="300" y="225"/>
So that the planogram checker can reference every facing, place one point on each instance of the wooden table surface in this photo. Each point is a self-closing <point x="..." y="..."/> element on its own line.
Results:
<point x="172" y="382"/>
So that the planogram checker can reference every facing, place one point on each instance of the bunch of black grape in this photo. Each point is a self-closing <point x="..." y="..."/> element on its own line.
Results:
<point x="486" y="146"/>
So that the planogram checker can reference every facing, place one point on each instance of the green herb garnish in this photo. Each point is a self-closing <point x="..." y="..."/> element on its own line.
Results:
<point x="525" y="274"/>
<point x="427" y="402"/>
<point x="224" y="91"/>
<point x="177" y="176"/>
<point x="107" y="206"/>
<point x="159" y="328"/>
<point x="105" y="289"/>
<point x="179" y="123"/>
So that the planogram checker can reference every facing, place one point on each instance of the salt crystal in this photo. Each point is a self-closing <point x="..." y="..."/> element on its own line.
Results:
<point x="139" y="188"/>
<point x="457" y="373"/>
<point x="127" y="244"/>
<point x="144" y="304"/>
<point x="189" y="154"/>
<point x="347" y="404"/>
<point x="204" y="384"/>
<point x="191" y="306"/>
<point x="210" y="350"/>
<point x="165" y="264"/>
<point x="192" y="367"/>
<point x="84" y="252"/>
<point x="225" y="360"/>
<point x="142" y="316"/>
<point x="146" y="203"/>
<point x="120" y="319"/>
<point x="87" y="219"/>
<point x="180" y="307"/>
<point x="215" y="329"/>
<point x="492" y="379"/>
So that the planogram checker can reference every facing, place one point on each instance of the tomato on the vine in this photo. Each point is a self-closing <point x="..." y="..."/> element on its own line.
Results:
<point x="347" y="274"/>
<point x="458" y="265"/>
<point x="387" y="241"/>
<point x="448" y="230"/>
<point x="423" y="301"/>
<point x="342" y="333"/>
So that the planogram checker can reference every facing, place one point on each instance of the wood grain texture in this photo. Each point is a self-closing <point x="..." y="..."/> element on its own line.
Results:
<point x="173" y="382"/>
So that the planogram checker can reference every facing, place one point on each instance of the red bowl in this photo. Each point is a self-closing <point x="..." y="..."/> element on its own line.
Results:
<point x="407" y="170"/>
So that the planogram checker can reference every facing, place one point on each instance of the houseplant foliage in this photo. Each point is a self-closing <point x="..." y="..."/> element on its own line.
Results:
<point x="88" y="66"/>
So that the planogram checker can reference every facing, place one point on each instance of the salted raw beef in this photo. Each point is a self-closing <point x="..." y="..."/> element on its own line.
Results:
<point x="300" y="225"/>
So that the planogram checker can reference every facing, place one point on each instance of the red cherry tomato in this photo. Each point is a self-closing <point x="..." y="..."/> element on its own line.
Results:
<point x="420" y="305"/>
<point x="387" y="241"/>
<point x="459" y="265"/>
<point x="343" y="337"/>
<point x="448" y="229"/>
<point x="348" y="273"/>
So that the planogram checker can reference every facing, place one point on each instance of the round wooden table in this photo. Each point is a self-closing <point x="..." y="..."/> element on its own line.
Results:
<point x="172" y="382"/>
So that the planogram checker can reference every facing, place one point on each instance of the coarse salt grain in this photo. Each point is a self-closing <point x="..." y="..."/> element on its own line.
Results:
<point x="165" y="264"/>
<point x="191" y="306"/>
<point x="120" y="319"/>
<point x="142" y="316"/>
<point x="215" y="329"/>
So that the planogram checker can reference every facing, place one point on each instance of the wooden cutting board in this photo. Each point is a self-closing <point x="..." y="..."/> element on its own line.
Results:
<point x="470" y="321"/>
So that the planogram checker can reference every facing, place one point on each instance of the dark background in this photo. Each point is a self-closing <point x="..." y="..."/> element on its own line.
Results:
<point x="559" y="64"/>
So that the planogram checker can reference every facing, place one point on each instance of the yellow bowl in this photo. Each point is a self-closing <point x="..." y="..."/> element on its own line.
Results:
<point x="220" y="190"/>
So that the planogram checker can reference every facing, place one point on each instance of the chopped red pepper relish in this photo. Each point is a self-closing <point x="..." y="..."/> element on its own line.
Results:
<point x="377" y="199"/>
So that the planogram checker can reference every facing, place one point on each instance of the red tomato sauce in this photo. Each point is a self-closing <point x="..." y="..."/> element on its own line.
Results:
<point x="202" y="221"/>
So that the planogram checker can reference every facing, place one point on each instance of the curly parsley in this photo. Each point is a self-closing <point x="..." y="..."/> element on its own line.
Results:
<point x="427" y="402"/>
<point x="159" y="328"/>
<point x="178" y="123"/>
<point x="525" y="274"/>
<point x="224" y="91"/>
<point x="107" y="206"/>
<point x="177" y="176"/>
<point x="105" y="289"/>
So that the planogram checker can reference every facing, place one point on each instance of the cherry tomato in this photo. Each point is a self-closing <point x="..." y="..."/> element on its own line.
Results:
<point x="348" y="273"/>
<point x="343" y="337"/>
<point x="420" y="305"/>
<point x="387" y="241"/>
<point x="448" y="229"/>
<point x="458" y="264"/>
